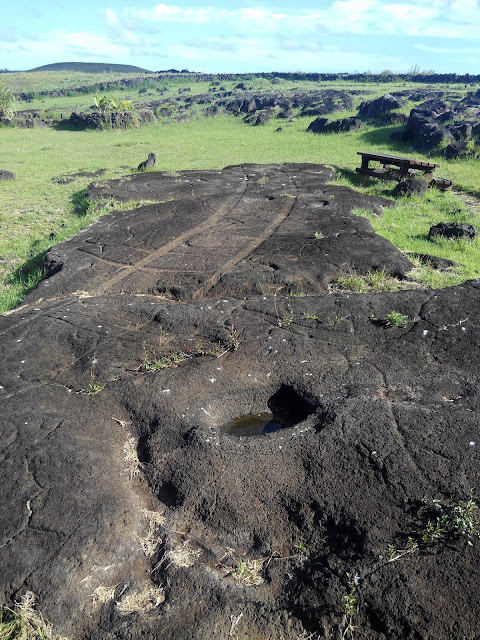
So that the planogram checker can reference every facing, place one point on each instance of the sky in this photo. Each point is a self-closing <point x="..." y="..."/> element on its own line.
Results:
<point x="243" y="36"/>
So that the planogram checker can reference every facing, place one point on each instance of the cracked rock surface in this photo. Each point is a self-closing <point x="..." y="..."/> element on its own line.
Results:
<point x="130" y="507"/>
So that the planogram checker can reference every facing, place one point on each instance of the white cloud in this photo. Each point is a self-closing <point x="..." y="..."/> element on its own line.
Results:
<point x="442" y="18"/>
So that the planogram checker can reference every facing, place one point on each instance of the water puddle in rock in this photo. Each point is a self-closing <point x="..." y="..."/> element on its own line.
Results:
<point x="254" y="424"/>
<point x="287" y="409"/>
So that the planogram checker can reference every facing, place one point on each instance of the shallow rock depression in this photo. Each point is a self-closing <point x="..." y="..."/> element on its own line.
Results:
<point x="132" y="508"/>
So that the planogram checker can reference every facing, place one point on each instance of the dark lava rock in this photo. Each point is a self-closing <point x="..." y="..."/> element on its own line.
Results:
<point x="442" y="264"/>
<point x="378" y="108"/>
<point x="455" y="150"/>
<point x="410" y="187"/>
<point x="120" y="474"/>
<point x="323" y="125"/>
<point x="114" y="119"/>
<point x="452" y="230"/>
<point x="6" y="175"/>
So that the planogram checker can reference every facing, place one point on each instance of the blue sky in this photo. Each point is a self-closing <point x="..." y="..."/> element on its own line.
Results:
<point x="224" y="36"/>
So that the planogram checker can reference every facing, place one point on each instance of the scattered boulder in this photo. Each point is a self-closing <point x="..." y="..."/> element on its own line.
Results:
<point x="442" y="264"/>
<point x="6" y="175"/>
<point x="410" y="187"/>
<point x="379" y="108"/>
<point x="452" y="230"/>
<point x="114" y="119"/>
<point x="323" y="125"/>
<point x="149" y="162"/>
<point x="455" y="150"/>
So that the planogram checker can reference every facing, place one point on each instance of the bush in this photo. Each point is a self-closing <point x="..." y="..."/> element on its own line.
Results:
<point x="7" y="103"/>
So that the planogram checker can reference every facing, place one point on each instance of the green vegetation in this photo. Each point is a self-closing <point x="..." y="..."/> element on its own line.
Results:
<point x="39" y="209"/>
<point x="24" y="623"/>
<point x="372" y="281"/>
<point x="7" y="102"/>
<point x="109" y="103"/>
<point x="395" y="319"/>
<point x="447" y="520"/>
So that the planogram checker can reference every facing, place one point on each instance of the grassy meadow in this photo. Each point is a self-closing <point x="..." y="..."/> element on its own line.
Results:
<point x="40" y="208"/>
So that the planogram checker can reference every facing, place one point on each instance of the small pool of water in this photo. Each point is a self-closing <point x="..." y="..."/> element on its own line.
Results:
<point x="254" y="424"/>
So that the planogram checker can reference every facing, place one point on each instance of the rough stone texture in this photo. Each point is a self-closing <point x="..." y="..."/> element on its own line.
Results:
<point x="384" y="416"/>
<point x="410" y="187"/>
<point x="442" y="264"/>
<point x="430" y="124"/>
<point x="452" y="230"/>
<point x="323" y="125"/>
<point x="6" y="175"/>
<point x="115" y="119"/>
<point x="455" y="150"/>
<point x="380" y="107"/>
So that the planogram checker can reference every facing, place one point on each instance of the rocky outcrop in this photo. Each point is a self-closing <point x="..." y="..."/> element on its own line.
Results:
<point x="380" y="108"/>
<point x="143" y="496"/>
<point x="110" y="119"/>
<point x="324" y="125"/>
<point x="410" y="187"/>
<point x="452" y="230"/>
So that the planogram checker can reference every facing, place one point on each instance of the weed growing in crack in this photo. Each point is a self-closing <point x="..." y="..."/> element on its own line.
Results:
<point x="393" y="319"/>
<point x="310" y="316"/>
<point x="248" y="572"/>
<point x="93" y="386"/>
<point x="152" y="363"/>
<point x="318" y="235"/>
<point x="233" y="341"/>
<point x="350" y="607"/>
<point x="449" y="520"/>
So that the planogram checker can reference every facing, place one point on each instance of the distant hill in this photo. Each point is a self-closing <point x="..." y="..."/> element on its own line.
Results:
<point x="91" y="67"/>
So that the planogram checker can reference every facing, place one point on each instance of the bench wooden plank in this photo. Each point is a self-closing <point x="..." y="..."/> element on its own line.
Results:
<point x="387" y="158"/>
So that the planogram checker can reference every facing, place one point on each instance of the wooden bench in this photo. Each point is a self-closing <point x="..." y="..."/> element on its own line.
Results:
<point x="402" y="166"/>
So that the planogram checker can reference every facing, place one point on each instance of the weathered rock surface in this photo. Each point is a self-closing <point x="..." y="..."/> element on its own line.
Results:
<point x="6" y="175"/>
<point x="410" y="187"/>
<point x="378" y="417"/>
<point x="380" y="108"/>
<point x="437" y="121"/>
<point x="114" y="119"/>
<point x="452" y="230"/>
<point x="324" y="125"/>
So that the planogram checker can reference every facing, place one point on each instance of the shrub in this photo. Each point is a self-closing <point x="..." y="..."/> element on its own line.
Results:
<point x="7" y="103"/>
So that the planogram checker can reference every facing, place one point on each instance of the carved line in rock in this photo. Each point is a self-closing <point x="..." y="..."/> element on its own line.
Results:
<point x="220" y="213"/>
<point x="214" y="278"/>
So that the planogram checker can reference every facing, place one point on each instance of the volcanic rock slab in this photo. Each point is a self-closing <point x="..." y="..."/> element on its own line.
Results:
<point x="128" y="508"/>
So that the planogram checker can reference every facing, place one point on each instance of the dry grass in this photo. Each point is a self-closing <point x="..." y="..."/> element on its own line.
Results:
<point x="141" y="602"/>
<point x="24" y="623"/>
<point x="183" y="556"/>
<point x="134" y="466"/>
<point x="102" y="594"/>
<point x="151" y="540"/>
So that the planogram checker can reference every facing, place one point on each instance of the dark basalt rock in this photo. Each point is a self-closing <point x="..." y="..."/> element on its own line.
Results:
<point x="378" y="108"/>
<point x="410" y="187"/>
<point x="117" y="476"/>
<point x="452" y="230"/>
<point x="6" y="175"/>
<point x="323" y="125"/>
<point x="442" y="264"/>
<point x="455" y="150"/>
<point x="114" y="119"/>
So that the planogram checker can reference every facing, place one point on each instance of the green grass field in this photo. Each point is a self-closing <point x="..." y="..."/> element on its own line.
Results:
<point x="38" y="209"/>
